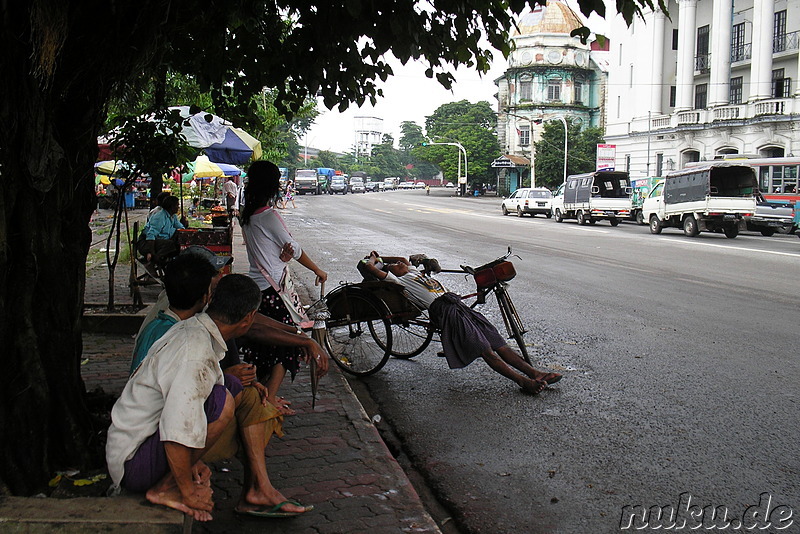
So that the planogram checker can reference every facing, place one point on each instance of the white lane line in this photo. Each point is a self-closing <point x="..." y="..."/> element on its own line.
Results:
<point x="738" y="249"/>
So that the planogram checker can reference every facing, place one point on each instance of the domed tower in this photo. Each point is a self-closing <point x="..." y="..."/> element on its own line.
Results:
<point x="551" y="75"/>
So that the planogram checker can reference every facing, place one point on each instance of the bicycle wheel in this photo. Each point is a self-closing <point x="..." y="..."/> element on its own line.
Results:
<point x="351" y="337"/>
<point x="512" y="321"/>
<point x="409" y="337"/>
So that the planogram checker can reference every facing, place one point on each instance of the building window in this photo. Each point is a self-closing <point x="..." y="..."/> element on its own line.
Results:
<point x="701" y="59"/>
<point x="659" y="164"/>
<point x="781" y="86"/>
<point x="630" y="77"/>
<point x="700" y="96"/>
<point x="553" y="89"/>
<point x="673" y="95"/>
<point x="779" y="31"/>
<point x="619" y="106"/>
<point x="524" y="133"/>
<point x="627" y="163"/>
<point x="738" y="51"/>
<point x="525" y="89"/>
<point x="675" y="39"/>
<point x="578" y="97"/>
<point x="620" y="54"/>
<point x="735" y="96"/>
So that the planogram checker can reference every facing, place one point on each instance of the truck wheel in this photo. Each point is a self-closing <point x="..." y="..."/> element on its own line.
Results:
<point x="559" y="217"/>
<point x="519" y="212"/>
<point x="580" y="217"/>
<point x="640" y="218"/>
<point x="614" y="222"/>
<point x="690" y="226"/>
<point x="731" y="231"/>
<point x="655" y="224"/>
<point x="592" y="220"/>
<point x="548" y="214"/>
<point x="768" y="232"/>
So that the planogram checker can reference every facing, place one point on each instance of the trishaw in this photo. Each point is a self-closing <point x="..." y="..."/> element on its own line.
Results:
<point x="373" y="320"/>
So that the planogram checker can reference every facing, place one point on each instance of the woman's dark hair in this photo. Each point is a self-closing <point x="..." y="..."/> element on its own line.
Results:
<point x="263" y="186"/>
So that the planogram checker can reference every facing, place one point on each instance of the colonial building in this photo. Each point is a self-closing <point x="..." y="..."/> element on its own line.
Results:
<point x="715" y="78"/>
<point x="551" y="76"/>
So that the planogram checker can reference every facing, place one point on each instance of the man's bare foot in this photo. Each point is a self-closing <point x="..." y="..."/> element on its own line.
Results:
<point x="172" y="498"/>
<point x="533" y="387"/>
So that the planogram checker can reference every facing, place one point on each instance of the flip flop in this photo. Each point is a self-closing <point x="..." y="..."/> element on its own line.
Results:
<point x="550" y="378"/>
<point x="275" y="511"/>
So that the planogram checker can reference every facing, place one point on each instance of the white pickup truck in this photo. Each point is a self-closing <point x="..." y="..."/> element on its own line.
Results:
<point x="715" y="198"/>
<point x="593" y="196"/>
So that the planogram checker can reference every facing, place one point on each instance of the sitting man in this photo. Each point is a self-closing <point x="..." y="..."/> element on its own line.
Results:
<point x="466" y="334"/>
<point x="158" y="241"/>
<point x="175" y="412"/>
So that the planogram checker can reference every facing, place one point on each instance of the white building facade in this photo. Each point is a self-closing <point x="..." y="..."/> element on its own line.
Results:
<point x="368" y="133"/>
<point x="718" y="78"/>
<point x="551" y="76"/>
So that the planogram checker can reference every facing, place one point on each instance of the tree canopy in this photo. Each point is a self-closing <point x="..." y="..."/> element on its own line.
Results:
<point x="549" y="152"/>
<point x="63" y="59"/>
<point x="472" y="126"/>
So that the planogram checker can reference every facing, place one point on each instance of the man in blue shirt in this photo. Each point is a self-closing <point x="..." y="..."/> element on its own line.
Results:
<point x="160" y="241"/>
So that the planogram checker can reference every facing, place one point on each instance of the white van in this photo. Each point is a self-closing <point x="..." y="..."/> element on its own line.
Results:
<point x="530" y="200"/>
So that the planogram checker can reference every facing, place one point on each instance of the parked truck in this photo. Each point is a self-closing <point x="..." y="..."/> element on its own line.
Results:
<point x="640" y="188"/>
<point x="324" y="178"/>
<point x="715" y="198"/>
<point x="594" y="196"/>
<point x="305" y="181"/>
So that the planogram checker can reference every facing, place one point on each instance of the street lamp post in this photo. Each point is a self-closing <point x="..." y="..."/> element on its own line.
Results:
<point x="463" y="186"/>
<point x="566" y="134"/>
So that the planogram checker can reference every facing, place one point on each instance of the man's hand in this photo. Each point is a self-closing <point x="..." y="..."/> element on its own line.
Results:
<point x="184" y="222"/>
<point x="263" y="392"/>
<point x="245" y="372"/>
<point x="322" y="276"/>
<point x="313" y="350"/>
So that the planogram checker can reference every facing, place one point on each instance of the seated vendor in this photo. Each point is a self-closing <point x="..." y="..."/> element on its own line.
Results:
<point x="160" y="241"/>
<point x="466" y="334"/>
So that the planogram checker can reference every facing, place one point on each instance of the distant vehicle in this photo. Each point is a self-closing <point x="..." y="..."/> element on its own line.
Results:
<point x="305" y="181"/>
<point x="338" y="185"/>
<point x="641" y="187"/>
<point x="406" y="185"/>
<point x="381" y="186"/>
<point x="419" y="185"/>
<point x="372" y="186"/>
<point x="324" y="177"/>
<point x="593" y="196"/>
<point x="714" y="198"/>
<point x="450" y="184"/>
<point x="390" y="183"/>
<point x="528" y="200"/>
<point x="771" y="217"/>
<point x="357" y="185"/>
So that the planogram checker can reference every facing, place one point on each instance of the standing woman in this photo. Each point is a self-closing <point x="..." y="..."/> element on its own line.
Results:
<point x="266" y="236"/>
<point x="289" y="195"/>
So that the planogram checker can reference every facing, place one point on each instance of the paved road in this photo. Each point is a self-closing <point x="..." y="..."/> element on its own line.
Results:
<point x="679" y="357"/>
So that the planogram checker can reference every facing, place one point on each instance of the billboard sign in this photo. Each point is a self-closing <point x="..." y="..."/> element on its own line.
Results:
<point x="606" y="157"/>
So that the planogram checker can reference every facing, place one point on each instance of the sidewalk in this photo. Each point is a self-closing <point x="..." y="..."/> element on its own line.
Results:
<point x="331" y="456"/>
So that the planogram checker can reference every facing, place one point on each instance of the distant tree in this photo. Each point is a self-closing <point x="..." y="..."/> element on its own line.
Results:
<point x="412" y="137"/>
<point x="386" y="160"/>
<point x="549" y="152"/>
<point x="472" y="125"/>
<point x="328" y="159"/>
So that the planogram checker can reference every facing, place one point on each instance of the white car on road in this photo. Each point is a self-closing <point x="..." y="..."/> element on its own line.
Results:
<point x="531" y="200"/>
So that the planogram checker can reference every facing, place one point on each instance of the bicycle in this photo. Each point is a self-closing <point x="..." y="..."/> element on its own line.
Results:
<point x="372" y="321"/>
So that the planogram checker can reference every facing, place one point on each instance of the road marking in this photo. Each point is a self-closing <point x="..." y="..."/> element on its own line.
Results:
<point x="756" y="250"/>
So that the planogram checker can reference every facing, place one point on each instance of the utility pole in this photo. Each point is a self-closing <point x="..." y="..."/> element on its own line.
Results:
<point x="462" y="185"/>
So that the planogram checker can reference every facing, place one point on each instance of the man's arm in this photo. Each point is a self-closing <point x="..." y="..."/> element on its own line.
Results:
<point x="197" y="496"/>
<point x="270" y="332"/>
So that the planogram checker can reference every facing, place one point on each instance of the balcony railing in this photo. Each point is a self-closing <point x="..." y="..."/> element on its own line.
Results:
<point x="702" y="63"/>
<point x="784" y="42"/>
<point x="741" y="53"/>
<point x="688" y="117"/>
<point x="660" y="122"/>
<point x="728" y="113"/>
<point x="770" y="107"/>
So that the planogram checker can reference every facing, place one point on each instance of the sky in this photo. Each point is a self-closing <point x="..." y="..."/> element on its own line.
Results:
<point x="410" y="96"/>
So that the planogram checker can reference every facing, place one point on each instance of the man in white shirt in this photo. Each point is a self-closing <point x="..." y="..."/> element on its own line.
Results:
<point x="175" y="408"/>
<point x="230" y="190"/>
<point x="466" y="334"/>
